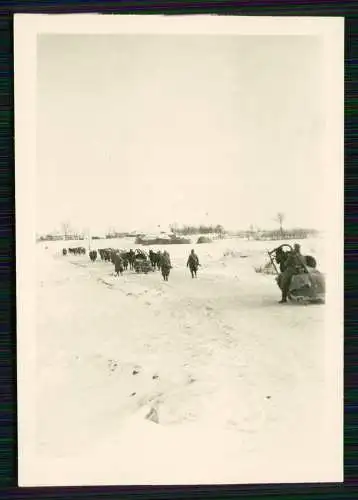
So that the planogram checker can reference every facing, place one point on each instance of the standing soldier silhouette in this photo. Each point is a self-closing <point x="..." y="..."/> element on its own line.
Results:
<point x="294" y="261"/>
<point x="193" y="263"/>
<point x="166" y="265"/>
<point x="118" y="265"/>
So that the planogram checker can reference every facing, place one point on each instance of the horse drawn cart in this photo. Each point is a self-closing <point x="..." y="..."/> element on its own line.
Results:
<point x="142" y="262"/>
<point x="307" y="283"/>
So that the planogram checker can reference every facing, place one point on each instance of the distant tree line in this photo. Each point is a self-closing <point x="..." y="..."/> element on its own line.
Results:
<point x="201" y="229"/>
<point x="59" y="237"/>
<point x="114" y="234"/>
<point x="50" y="237"/>
<point x="280" y="234"/>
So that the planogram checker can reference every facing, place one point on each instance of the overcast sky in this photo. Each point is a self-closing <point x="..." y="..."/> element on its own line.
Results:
<point x="135" y="131"/>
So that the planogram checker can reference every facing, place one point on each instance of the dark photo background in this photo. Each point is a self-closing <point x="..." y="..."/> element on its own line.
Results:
<point x="8" y="422"/>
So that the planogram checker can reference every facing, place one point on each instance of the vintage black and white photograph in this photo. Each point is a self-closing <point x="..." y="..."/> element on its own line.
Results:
<point x="179" y="249"/>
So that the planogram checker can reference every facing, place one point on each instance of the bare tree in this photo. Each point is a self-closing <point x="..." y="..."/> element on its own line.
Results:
<point x="220" y="231"/>
<point x="174" y="227"/>
<point x="280" y="218"/>
<point x="66" y="229"/>
<point x="87" y="235"/>
<point x="251" y="231"/>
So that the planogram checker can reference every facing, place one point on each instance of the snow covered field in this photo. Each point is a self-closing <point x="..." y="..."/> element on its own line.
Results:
<point x="233" y="381"/>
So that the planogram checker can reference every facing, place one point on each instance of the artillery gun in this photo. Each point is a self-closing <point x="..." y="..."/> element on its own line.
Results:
<point x="307" y="284"/>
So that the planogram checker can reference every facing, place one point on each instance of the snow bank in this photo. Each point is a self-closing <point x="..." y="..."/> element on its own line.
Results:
<point x="236" y="380"/>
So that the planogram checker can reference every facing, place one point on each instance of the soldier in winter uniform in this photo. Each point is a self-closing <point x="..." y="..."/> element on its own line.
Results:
<point x="193" y="263"/>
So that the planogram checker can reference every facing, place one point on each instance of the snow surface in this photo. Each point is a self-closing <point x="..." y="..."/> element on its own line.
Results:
<point x="235" y="381"/>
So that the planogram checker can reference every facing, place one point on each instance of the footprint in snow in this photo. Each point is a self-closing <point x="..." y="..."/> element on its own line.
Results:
<point x="152" y="415"/>
<point x="112" y="365"/>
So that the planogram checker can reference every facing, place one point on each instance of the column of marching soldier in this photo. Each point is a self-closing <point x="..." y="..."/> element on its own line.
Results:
<point x="291" y="262"/>
<point x="124" y="259"/>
